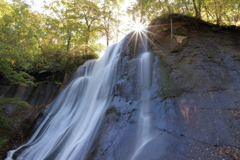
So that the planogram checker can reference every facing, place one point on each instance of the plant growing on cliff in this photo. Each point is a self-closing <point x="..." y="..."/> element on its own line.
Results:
<point x="14" y="76"/>
<point x="14" y="101"/>
<point x="166" y="91"/>
<point x="7" y="122"/>
<point x="236" y="57"/>
<point x="211" y="55"/>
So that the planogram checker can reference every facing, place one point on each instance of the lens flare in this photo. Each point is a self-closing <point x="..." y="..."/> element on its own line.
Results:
<point x="138" y="27"/>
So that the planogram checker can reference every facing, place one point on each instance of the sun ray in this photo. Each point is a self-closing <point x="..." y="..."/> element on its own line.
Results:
<point x="141" y="39"/>
<point x="135" y="43"/>
<point x="138" y="34"/>
<point x="155" y="34"/>
<point x="129" y="39"/>
<point x="141" y="36"/>
<point x="162" y="25"/>
<point x="150" y="39"/>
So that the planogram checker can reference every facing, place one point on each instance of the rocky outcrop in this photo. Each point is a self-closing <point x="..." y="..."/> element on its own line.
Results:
<point x="43" y="93"/>
<point x="38" y="97"/>
<point x="194" y="95"/>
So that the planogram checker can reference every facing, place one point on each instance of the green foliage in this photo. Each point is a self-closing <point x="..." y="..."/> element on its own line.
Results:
<point x="16" y="77"/>
<point x="166" y="94"/>
<point x="7" y="128"/>
<point x="158" y="52"/>
<point x="194" y="53"/>
<point x="2" y="141"/>
<point x="14" y="101"/>
<point x="17" y="43"/>
<point x="166" y="89"/>
<point x="59" y="61"/>
<point x="166" y="83"/>
<point x="236" y="57"/>
<point x="57" y="82"/>
<point x="35" y="43"/>
<point x="215" y="11"/>
<point x="211" y="55"/>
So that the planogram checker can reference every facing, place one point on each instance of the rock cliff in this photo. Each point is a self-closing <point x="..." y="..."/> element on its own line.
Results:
<point x="195" y="96"/>
<point x="38" y="97"/>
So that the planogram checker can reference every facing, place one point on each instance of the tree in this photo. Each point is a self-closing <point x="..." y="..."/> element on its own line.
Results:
<point x="109" y="18"/>
<point x="216" y="11"/>
<point x="85" y="17"/>
<point x="17" y="43"/>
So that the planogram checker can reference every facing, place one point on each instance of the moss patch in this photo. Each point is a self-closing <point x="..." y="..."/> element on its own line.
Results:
<point x="235" y="57"/>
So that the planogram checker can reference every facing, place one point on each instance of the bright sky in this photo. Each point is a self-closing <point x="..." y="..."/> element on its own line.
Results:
<point x="38" y="4"/>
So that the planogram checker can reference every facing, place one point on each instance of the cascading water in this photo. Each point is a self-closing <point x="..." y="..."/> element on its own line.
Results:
<point x="144" y="135"/>
<point x="68" y="131"/>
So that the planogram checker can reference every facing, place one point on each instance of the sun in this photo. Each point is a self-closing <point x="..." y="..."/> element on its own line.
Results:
<point x="138" y="27"/>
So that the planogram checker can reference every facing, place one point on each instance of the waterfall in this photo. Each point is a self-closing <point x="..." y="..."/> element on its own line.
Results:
<point x="143" y="135"/>
<point x="73" y="119"/>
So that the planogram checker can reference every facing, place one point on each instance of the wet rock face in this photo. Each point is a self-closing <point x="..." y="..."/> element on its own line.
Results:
<point x="38" y="95"/>
<point x="195" y="97"/>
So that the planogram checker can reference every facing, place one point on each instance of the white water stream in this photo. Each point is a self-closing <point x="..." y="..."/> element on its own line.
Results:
<point x="144" y="135"/>
<point x="69" y="129"/>
<point x="73" y="119"/>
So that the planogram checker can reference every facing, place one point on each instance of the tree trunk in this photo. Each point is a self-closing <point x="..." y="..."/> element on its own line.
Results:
<point x="197" y="9"/>
<point x="69" y="40"/>
<point x="107" y="33"/>
<point x="168" y="6"/>
<point x="107" y="39"/>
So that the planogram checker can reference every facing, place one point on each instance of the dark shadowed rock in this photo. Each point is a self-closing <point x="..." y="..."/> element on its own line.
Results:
<point x="195" y="96"/>
<point x="37" y="96"/>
